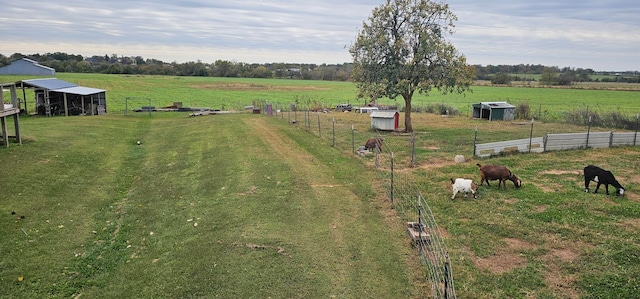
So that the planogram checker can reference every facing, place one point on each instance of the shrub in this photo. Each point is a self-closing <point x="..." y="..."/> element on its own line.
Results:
<point x="523" y="111"/>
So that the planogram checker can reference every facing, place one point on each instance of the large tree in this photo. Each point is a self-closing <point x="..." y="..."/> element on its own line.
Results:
<point x="403" y="48"/>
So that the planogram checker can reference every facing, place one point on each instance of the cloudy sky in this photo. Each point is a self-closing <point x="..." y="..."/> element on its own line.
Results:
<point x="597" y="34"/>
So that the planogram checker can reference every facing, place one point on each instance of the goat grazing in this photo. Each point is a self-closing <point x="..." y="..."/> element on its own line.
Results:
<point x="463" y="185"/>
<point x="496" y="172"/>
<point x="374" y="143"/>
<point x="601" y="176"/>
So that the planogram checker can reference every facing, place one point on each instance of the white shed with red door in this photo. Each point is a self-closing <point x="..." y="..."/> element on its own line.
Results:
<point x="386" y="120"/>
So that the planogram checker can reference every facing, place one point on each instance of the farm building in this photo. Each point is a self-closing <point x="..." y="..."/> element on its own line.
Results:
<point x="385" y="120"/>
<point x="9" y="108"/>
<point x="27" y="66"/>
<point x="58" y="97"/>
<point x="494" y="111"/>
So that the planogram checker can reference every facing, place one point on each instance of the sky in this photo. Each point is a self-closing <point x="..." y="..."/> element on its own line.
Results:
<point x="596" y="34"/>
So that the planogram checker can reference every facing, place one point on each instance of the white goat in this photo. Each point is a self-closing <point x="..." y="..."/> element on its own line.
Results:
<point x="463" y="185"/>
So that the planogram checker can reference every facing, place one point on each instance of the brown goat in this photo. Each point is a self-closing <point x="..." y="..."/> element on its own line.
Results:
<point x="374" y="143"/>
<point x="496" y="172"/>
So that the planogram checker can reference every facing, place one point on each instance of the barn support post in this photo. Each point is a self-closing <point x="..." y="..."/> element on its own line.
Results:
<point x="530" y="135"/>
<point x="47" y="103"/>
<point x="391" y="188"/>
<point x="5" y="137"/>
<point x="66" y="107"/>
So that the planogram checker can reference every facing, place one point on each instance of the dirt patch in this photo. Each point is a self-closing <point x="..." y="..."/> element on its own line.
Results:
<point x="631" y="224"/>
<point x="548" y="187"/>
<point x="559" y="172"/>
<point x="436" y="163"/>
<point x="563" y="285"/>
<point x="541" y="209"/>
<point x="506" y="258"/>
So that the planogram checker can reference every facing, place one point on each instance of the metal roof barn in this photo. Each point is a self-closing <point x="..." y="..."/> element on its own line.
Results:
<point x="385" y="120"/>
<point x="27" y="66"/>
<point x="59" y="97"/>
<point x="494" y="111"/>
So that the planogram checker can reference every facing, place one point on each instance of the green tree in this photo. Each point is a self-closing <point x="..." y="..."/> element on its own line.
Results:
<point x="501" y="78"/>
<point x="549" y="76"/>
<point x="403" y="48"/>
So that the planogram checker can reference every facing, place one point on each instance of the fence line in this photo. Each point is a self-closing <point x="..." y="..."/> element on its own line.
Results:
<point x="557" y="142"/>
<point x="396" y="152"/>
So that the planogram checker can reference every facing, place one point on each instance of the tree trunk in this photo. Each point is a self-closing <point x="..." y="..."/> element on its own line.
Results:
<point x="407" y="115"/>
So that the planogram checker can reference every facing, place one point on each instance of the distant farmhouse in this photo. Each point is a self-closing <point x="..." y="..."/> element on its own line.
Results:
<point x="27" y="66"/>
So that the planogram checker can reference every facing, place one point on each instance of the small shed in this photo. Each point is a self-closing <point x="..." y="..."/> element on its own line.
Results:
<point x="27" y="66"/>
<point x="385" y="120"/>
<point x="494" y="111"/>
<point x="58" y="97"/>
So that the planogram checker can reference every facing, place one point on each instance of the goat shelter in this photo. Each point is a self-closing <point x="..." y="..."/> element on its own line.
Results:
<point x="494" y="111"/>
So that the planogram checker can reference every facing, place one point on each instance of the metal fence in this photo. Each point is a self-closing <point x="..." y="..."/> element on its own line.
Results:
<point x="557" y="142"/>
<point x="397" y="151"/>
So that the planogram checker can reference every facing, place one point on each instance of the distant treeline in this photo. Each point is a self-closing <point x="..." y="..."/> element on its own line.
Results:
<point x="114" y="64"/>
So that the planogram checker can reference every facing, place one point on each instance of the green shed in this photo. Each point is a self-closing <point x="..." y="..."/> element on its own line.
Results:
<point x="494" y="111"/>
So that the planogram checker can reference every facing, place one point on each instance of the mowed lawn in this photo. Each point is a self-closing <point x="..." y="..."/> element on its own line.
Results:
<point x="226" y="206"/>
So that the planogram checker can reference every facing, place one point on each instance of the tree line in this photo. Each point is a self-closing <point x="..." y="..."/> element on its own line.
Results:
<point x="117" y="64"/>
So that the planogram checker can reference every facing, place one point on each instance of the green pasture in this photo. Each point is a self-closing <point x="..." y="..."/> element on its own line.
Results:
<point x="235" y="93"/>
<point x="205" y="207"/>
<point x="251" y="206"/>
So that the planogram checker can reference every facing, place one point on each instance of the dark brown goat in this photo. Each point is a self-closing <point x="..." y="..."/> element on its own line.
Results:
<point x="496" y="172"/>
<point x="374" y="143"/>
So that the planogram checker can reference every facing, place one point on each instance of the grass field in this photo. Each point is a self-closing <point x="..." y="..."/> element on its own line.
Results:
<point x="228" y="207"/>
<point x="234" y="93"/>
<point x="245" y="205"/>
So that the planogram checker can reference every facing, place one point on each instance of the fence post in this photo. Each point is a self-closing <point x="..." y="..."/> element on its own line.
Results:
<point x="391" y="193"/>
<point x="420" y="225"/>
<point x="447" y="277"/>
<point x="333" y="126"/>
<point x="544" y="142"/>
<point x="353" y="139"/>
<point x="413" y="148"/>
<point x="377" y="147"/>
<point x="319" y="132"/>
<point x="531" y="135"/>
<point x="588" y="132"/>
<point x="635" y="136"/>
<point x="475" y="139"/>
<point x="611" y="140"/>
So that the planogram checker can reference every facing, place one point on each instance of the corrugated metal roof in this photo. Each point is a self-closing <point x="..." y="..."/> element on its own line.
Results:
<point x="81" y="90"/>
<point x="57" y="85"/>
<point x="495" y="105"/>
<point x="383" y="114"/>
<point x="49" y="83"/>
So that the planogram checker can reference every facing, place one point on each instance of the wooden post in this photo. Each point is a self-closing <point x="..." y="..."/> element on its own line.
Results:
<point x="66" y="110"/>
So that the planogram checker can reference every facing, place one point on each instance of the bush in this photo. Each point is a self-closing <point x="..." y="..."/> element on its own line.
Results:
<point x="523" y="111"/>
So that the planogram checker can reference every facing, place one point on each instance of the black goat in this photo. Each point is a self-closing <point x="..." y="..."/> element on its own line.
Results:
<point x="601" y="176"/>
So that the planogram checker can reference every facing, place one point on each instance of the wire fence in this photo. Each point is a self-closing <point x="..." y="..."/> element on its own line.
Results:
<point x="390" y="154"/>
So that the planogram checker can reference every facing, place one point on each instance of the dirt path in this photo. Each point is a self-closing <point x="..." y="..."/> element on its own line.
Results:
<point x="339" y="206"/>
